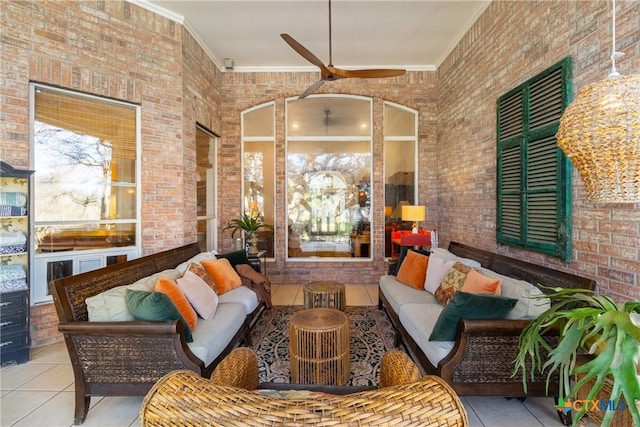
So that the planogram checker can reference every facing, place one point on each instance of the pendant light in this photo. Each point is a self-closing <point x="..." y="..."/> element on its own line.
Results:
<point x="600" y="133"/>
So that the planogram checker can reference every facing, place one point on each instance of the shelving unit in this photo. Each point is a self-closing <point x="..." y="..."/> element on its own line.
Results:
<point x="15" y="249"/>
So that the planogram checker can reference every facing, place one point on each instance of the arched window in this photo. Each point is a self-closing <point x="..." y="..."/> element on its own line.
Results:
<point x="328" y="173"/>
<point x="258" y="169"/>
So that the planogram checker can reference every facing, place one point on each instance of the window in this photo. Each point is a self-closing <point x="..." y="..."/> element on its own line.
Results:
<point x="400" y="142"/>
<point x="86" y="182"/>
<point x="206" y="191"/>
<point x="258" y="169"/>
<point x="533" y="175"/>
<point x="328" y="177"/>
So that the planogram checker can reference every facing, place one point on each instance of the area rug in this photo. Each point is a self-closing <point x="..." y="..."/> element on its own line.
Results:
<point x="371" y="336"/>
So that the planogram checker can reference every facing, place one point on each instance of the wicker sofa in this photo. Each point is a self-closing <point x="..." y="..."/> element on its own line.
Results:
<point x="230" y="397"/>
<point x="118" y="358"/>
<point x="480" y="360"/>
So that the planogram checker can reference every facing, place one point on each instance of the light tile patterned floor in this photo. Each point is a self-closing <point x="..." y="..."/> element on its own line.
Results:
<point x="41" y="392"/>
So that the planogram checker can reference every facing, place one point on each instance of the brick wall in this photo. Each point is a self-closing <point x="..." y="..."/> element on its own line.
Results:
<point x="244" y="90"/>
<point x="121" y="51"/>
<point x="501" y="51"/>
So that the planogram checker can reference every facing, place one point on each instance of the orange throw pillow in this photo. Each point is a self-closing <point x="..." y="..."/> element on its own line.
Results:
<point x="172" y="290"/>
<point x="477" y="283"/>
<point x="413" y="270"/>
<point x="222" y="273"/>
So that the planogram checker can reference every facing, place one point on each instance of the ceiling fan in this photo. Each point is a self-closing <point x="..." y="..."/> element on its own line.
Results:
<point x="329" y="72"/>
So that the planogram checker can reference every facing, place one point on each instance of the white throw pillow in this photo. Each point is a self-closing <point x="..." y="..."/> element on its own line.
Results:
<point x="443" y="253"/>
<point x="436" y="270"/>
<point x="528" y="306"/>
<point x="202" y="255"/>
<point x="110" y="306"/>
<point x="201" y="297"/>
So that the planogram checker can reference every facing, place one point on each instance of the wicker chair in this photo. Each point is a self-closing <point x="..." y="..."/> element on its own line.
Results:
<point x="183" y="398"/>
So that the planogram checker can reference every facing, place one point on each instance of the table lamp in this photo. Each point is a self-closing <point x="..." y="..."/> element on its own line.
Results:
<point x="413" y="213"/>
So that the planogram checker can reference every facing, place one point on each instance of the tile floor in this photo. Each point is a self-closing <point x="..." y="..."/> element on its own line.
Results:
<point x="41" y="393"/>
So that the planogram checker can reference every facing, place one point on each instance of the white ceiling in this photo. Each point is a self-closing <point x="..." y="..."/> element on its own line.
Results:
<point x="415" y="35"/>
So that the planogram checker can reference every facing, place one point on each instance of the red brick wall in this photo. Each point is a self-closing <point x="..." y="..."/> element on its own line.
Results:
<point x="117" y="50"/>
<point x="510" y="43"/>
<point x="244" y="90"/>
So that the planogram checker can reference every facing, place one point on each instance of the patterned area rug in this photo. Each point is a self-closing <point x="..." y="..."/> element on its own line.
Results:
<point x="371" y="336"/>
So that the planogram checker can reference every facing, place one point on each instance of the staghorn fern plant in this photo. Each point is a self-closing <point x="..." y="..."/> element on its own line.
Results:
<point x="593" y="324"/>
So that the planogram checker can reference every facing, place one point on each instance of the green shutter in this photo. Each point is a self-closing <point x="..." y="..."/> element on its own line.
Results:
<point x="510" y="131"/>
<point x="510" y="116"/>
<point x="542" y="193"/>
<point x="510" y="208"/>
<point x="533" y="175"/>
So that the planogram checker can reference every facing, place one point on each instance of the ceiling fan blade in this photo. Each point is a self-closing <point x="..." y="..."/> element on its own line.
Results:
<point x="303" y="51"/>
<point x="368" y="74"/>
<point x="311" y="89"/>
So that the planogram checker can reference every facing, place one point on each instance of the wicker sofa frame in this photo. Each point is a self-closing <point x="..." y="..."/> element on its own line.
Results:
<point x="228" y="399"/>
<point x="126" y="358"/>
<point x="481" y="361"/>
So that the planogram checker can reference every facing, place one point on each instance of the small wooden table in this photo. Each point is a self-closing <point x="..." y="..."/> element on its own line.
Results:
<point x="358" y="241"/>
<point x="325" y="294"/>
<point x="319" y="347"/>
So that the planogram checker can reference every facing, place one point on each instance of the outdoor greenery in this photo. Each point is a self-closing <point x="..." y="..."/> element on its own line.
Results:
<point x="590" y="325"/>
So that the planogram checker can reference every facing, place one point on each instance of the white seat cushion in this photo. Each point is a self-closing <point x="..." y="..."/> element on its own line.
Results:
<point x="241" y="295"/>
<point x="210" y="337"/>
<point x="399" y="294"/>
<point x="419" y="320"/>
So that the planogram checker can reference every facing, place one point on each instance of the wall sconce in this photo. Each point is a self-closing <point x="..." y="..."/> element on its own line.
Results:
<point x="362" y="198"/>
<point x="600" y="133"/>
<point x="413" y="213"/>
<point x="388" y="210"/>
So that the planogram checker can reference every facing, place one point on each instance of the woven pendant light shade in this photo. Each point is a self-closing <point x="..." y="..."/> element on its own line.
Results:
<point x="600" y="133"/>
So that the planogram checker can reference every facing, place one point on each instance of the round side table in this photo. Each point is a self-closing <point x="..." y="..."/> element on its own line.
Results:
<point x="325" y="294"/>
<point x="319" y="347"/>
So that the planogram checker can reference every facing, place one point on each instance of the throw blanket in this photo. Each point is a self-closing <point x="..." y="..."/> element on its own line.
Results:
<point x="257" y="282"/>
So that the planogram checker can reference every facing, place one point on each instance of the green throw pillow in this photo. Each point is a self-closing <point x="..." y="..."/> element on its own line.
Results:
<point x="465" y="305"/>
<point x="154" y="307"/>
<point x="403" y="254"/>
<point x="235" y="258"/>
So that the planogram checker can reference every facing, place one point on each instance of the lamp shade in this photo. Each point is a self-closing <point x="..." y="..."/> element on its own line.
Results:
<point x="413" y="213"/>
<point x="600" y="133"/>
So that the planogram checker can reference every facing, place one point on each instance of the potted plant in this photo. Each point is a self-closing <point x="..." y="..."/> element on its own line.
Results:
<point x="250" y="224"/>
<point x="602" y="336"/>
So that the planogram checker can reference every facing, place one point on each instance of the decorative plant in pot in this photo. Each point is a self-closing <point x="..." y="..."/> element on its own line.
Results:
<point x="598" y="339"/>
<point x="250" y="223"/>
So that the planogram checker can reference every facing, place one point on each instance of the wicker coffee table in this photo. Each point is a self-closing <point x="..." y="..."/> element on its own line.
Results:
<point x="326" y="294"/>
<point x="319" y="347"/>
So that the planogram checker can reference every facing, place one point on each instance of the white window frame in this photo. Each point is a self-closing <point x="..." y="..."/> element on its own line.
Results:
<point x="211" y="217"/>
<point x="92" y="257"/>
<point x="368" y="138"/>
<point x="267" y="138"/>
